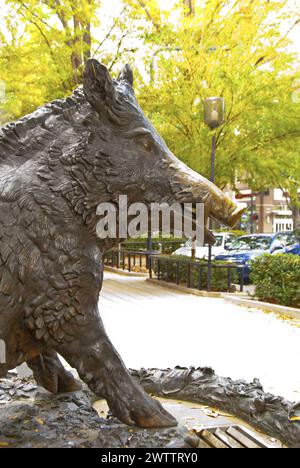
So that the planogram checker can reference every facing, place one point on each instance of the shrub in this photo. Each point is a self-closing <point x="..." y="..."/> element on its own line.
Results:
<point x="235" y="232"/>
<point x="277" y="279"/>
<point x="168" y="272"/>
<point x="168" y="244"/>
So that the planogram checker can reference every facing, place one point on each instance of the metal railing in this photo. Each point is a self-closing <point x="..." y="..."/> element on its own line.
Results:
<point x="128" y="260"/>
<point x="195" y="273"/>
<point x="192" y="274"/>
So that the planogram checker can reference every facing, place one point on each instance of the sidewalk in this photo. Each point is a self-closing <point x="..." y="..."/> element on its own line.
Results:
<point x="156" y="327"/>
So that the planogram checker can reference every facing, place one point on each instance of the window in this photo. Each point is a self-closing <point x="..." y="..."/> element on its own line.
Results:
<point x="282" y="225"/>
<point x="287" y="240"/>
<point x="252" y="243"/>
<point x="229" y="241"/>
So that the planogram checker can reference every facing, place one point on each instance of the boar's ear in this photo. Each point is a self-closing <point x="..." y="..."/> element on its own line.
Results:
<point x="97" y="84"/>
<point x="127" y="75"/>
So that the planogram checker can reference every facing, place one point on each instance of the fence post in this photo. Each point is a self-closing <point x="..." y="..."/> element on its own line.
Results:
<point x="242" y="279"/>
<point x="229" y="278"/>
<point x="200" y="278"/>
<point x="189" y="275"/>
<point x="177" y="273"/>
<point x="209" y="276"/>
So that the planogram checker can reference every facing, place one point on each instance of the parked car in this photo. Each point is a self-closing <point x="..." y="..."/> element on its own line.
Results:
<point x="297" y="232"/>
<point x="223" y="241"/>
<point x="291" y="243"/>
<point x="247" y="248"/>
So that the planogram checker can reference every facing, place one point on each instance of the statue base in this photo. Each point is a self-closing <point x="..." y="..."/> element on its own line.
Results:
<point x="32" y="417"/>
<point x="267" y="413"/>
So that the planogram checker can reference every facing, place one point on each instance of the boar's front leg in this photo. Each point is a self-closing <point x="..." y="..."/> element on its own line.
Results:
<point x="49" y="372"/>
<point x="100" y="366"/>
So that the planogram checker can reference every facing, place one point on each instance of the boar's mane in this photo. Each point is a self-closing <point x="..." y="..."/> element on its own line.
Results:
<point x="101" y="108"/>
<point x="21" y="140"/>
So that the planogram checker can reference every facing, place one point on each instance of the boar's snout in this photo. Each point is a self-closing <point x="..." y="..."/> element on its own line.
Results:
<point x="195" y="188"/>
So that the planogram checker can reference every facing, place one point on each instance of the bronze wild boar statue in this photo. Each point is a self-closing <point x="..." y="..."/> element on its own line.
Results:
<point x="56" y="166"/>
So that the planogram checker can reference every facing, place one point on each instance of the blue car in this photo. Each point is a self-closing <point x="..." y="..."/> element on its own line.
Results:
<point x="247" y="248"/>
<point x="294" y="247"/>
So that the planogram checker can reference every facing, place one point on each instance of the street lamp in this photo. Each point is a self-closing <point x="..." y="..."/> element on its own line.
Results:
<point x="214" y="117"/>
<point x="214" y="112"/>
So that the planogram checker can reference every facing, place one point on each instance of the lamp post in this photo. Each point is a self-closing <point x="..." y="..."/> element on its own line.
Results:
<point x="214" y="117"/>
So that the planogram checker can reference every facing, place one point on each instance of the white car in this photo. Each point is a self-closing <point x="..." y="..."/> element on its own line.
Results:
<point x="223" y="241"/>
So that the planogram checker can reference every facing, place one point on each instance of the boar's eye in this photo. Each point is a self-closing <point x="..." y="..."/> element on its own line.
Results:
<point x="148" y="144"/>
<point x="142" y="137"/>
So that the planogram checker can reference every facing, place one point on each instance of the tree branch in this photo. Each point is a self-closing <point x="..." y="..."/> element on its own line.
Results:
<point x="35" y="15"/>
<point x="34" y="23"/>
<point x="150" y="17"/>
<point x="105" y="39"/>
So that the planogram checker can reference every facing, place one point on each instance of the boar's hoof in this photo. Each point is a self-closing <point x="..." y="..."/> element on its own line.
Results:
<point x="236" y="215"/>
<point x="50" y="374"/>
<point x="154" y="416"/>
<point x="143" y="411"/>
<point x="68" y="384"/>
<point x="63" y="382"/>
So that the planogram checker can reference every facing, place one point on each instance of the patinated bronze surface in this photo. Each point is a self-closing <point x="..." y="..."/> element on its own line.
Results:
<point x="56" y="166"/>
<point x="31" y="417"/>
<point x="270" y="414"/>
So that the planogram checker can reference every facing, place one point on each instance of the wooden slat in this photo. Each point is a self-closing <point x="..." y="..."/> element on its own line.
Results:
<point x="251" y="436"/>
<point x="227" y="439"/>
<point x="203" y="444"/>
<point x="212" y="440"/>
<point x="241" y="438"/>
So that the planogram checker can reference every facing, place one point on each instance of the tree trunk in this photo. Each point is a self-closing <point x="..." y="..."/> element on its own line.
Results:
<point x="76" y="56"/>
<point x="190" y="5"/>
<point x="87" y="41"/>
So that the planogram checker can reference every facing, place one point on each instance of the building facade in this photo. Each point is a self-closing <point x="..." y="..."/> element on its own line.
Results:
<point x="268" y="212"/>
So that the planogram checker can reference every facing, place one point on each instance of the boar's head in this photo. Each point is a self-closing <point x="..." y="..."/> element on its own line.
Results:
<point x="141" y="165"/>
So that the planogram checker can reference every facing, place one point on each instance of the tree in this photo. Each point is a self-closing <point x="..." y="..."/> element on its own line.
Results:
<point x="234" y="49"/>
<point x="44" y="47"/>
<point x="68" y="22"/>
<point x="190" y="6"/>
<point x="230" y="48"/>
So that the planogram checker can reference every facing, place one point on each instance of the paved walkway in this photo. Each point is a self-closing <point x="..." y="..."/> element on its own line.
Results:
<point x="156" y="327"/>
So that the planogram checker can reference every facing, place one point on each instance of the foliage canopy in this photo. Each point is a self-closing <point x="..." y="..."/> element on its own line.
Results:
<point x="185" y="51"/>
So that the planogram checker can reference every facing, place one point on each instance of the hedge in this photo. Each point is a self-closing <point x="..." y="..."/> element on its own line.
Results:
<point x="168" y="272"/>
<point x="168" y="244"/>
<point x="277" y="279"/>
<point x="235" y="232"/>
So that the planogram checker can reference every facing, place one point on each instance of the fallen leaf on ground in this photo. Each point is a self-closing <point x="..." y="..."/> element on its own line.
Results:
<point x="211" y="413"/>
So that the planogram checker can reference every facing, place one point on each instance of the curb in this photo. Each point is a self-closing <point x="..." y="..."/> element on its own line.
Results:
<point x="179" y="288"/>
<point x="277" y="309"/>
<point x="118" y="271"/>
